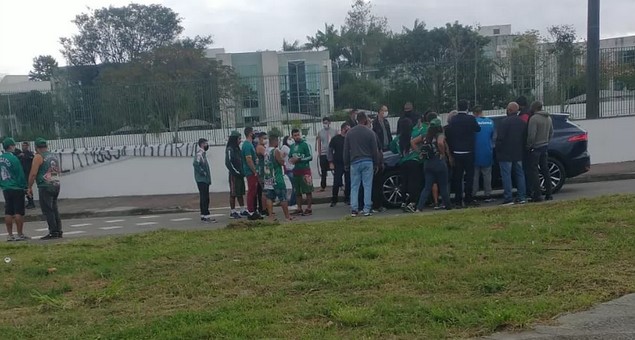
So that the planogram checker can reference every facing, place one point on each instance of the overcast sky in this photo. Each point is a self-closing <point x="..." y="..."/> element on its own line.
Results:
<point x="33" y="27"/>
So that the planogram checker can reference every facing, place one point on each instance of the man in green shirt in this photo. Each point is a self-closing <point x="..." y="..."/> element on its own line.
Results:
<point x="46" y="173"/>
<point x="273" y="176"/>
<point x="13" y="184"/>
<point x="248" y="154"/>
<point x="301" y="158"/>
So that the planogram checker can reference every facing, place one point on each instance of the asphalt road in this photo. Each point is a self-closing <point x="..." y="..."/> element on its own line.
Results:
<point x="97" y="227"/>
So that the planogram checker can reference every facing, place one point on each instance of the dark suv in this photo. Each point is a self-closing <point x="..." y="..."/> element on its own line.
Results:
<point x="568" y="157"/>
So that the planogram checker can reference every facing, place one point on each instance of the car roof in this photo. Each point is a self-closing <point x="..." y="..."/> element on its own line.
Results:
<point x="558" y="115"/>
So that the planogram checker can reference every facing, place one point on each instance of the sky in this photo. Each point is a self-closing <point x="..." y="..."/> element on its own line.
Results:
<point x="33" y="27"/>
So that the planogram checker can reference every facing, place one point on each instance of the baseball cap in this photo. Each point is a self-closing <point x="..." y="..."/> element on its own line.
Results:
<point x="234" y="134"/>
<point x="8" y="142"/>
<point x="435" y="122"/>
<point x="40" y="142"/>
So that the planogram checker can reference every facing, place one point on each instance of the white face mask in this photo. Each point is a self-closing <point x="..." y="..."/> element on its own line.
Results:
<point x="326" y="126"/>
<point x="386" y="114"/>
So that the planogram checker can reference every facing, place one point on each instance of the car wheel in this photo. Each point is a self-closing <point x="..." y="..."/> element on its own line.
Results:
<point x="391" y="189"/>
<point x="557" y="173"/>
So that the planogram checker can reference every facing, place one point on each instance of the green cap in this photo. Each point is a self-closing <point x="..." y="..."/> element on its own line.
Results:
<point x="435" y="122"/>
<point x="40" y="142"/>
<point x="8" y="142"/>
<point x="234" y="134"/>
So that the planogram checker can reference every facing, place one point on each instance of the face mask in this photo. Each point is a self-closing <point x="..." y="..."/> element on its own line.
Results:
<point x="256" y="140"/>
<point x="206" y="147"/>
<point x="326" y="126"/>
<point x="290" y="142"/>
<point x="265" y="142"/>
<point x="385" y="114"/>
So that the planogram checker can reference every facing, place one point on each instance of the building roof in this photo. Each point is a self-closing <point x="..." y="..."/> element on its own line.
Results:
<point x="20" y="83"/>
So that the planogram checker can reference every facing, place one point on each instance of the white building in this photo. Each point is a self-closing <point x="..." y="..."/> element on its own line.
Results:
<point x="279" y="85"/>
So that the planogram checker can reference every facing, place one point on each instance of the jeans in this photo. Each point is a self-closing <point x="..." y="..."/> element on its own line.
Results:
<point x="538" y="164"/>
<point x="292" y="199"/>
<point x="463" y="171"/>
<point x="519" y="177"/>
<point x="48" y="203"/>
<point x="436" y="171"/>
<point x="487" y="179"/>
<point x="362" y="173"/>
<point x="203" y="193"/>
<point x="252" y="193"/>
<point x="411" y="177"/>
<point x="324" y="170"/>
<point x="342" y="178"/>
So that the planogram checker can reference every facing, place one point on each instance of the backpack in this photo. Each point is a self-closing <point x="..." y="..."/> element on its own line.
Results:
<point x="430" y="150"/>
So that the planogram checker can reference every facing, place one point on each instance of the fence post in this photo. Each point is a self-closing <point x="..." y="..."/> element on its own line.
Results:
<point x="593" y="60"/>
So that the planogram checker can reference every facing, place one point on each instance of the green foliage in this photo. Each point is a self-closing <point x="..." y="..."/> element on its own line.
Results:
<point x="44" y="66"/>
<point x="358" y="92"/>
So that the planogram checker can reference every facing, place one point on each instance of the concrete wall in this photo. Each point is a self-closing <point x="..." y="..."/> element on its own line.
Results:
<point x="610" y="139"/>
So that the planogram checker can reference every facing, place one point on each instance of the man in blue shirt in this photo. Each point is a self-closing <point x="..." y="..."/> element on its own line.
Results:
<point x="483" y="154"/>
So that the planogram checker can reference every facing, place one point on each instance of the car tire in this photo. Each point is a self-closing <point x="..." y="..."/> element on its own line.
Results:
<point x="558" y="175"/>
<point x="391" y="189"/>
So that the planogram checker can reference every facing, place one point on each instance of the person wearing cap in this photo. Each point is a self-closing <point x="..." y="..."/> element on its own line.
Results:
<point x="203" y="178"/>
<point x="273" y="175"/>
<point x="13" y="184"/>
<point x="437" y="154"/>
<point x="46" y="172"/>
<point x="234" y="165"/>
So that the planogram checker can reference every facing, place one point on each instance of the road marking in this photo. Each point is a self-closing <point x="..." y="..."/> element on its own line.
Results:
<point x="149" y="217"/>
<point x="111" y="228"/>
<point x="73" y="232"/>
<point x="115" y="221"/>
<point x="5" y="234"/>
<point x="216" y="215"/>
<point x="81" y="225"/>
<point x="42" y="229"/>
<point x="147" y="223"/>
<point x="181" y="219"/>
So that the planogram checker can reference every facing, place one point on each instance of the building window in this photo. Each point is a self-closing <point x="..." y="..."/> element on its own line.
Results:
<point x="297" y="86"/>
<point x="497" y="31"/>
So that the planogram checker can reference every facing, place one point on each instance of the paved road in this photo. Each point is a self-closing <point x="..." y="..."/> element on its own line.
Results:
<point x="95" y="227"/>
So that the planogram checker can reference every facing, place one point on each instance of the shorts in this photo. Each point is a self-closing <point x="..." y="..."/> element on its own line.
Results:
<point x="303" y="181"/>
<point x="277" y="194"/>
<point x="14" y="202"/>
<point x="236" y="185"/>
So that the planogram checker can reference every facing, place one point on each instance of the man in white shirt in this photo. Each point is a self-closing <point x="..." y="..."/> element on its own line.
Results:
<point x="322" y="146"/>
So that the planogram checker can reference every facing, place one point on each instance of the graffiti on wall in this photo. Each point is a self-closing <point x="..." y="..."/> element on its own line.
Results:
<point x="79" y="158"/>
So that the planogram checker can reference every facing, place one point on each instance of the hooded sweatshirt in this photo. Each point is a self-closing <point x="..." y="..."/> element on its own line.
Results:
<point x="539" y="130"/>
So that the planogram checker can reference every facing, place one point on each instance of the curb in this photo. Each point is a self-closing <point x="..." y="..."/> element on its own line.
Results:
<point x="316" y="200"/>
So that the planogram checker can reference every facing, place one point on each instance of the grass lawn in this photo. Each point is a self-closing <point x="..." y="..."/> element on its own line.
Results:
<point x="444" y="275"/>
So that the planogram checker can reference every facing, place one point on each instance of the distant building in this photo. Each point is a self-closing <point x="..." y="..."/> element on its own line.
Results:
<point x="278" y="85"/>
<point x="13" y="91"/>
<point x="20" y="84"/>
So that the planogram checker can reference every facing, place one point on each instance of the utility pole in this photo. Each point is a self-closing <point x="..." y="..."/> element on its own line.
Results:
<point x="593" y="61"/>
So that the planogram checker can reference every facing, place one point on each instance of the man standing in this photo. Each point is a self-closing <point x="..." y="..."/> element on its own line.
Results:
<point x="483" y="154"/>
<point x="203" y="178"/>
<point x="361" y="156"/>
<point x="381" y="127"/>
<point x="234" y="165"/>
<point x="407" y="120"/>
<point x="261" y="150"/>
<point x="523" y="107"/>
<point x="322" y="146"/>
<point x="539" y="134"/>
<point x="301" y="158"/>
<point x="46" y="171"/>
<point x="336" y="162"/>
<point x="26" y="158"/>
<point x="461" y="136"/>
<point x="510" y="144"/>
<point x="274" y="185"/>
<point x="13" y="184"/>
<point x="352" y="118"/>
<point x="248" y="154"/>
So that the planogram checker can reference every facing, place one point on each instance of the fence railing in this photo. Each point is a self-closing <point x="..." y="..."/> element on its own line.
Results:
<point x="183" y="111"/>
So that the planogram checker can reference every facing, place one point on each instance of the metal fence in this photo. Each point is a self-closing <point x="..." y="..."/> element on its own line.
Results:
<point x="77" y="116"/>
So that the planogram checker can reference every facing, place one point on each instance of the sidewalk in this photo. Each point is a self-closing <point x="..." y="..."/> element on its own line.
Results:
<point x="178" y="203"/>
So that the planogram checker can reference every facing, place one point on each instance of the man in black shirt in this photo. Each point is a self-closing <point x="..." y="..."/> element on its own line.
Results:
<point x="352" y="119"/>
<point x="461" y="139"/>
<point x="26" y="159"/>
<point x="336" y="161"/>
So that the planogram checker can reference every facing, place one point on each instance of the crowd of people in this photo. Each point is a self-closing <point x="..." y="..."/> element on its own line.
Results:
<point x="436" y="162"/>
<point x="20" y="169"/>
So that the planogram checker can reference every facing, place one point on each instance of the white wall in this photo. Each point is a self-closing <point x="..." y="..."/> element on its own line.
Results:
<point x="610" y="139"/>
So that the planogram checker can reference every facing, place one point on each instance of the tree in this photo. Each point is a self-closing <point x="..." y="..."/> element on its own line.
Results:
<point x="293" y="46"/>
<point x="329" y="39"/>
<point x="120" y="34"/>
<point x="566" y="53"/>
<point x="43" y="68"/>
<point x="364" y="35"/>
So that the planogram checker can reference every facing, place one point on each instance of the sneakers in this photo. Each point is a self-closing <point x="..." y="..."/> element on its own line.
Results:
<point x="307" y="212"/>
<point x="255" y="217"/>
<point x="51" y="236"/>
<point x="22" y="238"/>
<point x="367" y="214"/>
<point x="521" y="202"/>
<point x="411" y="208"/>
<point x="488" y="199"/>
<point x="549" y="198"/>
<point x="354" y="213"/>
<point x="507" y="203"/>
<point x="244" y="213"/>
<point x="333" y="204"/>
<point x="11" y="238"/>
<point x="208" y="219"/>
<point x="235" y="216"/>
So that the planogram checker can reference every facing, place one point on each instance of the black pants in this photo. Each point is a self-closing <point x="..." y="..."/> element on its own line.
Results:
<point x="258" y="205"/>
<point x="538" y="164"/>
<point x="463" y="174"/>
<point x="412" y="181"/>
<point x="341" y="178"/>
<point x="203" y="192"/>
<point x="526" y="166"/>
<point x="324" y="170"/>
<point x="436" y="171"/>
<point x="48" y="203"/>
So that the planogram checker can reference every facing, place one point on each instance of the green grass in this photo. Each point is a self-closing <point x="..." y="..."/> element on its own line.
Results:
<point x="444" y="275"/>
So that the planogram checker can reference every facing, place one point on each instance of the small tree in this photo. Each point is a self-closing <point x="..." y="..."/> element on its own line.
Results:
<point x="43" y="68"/>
